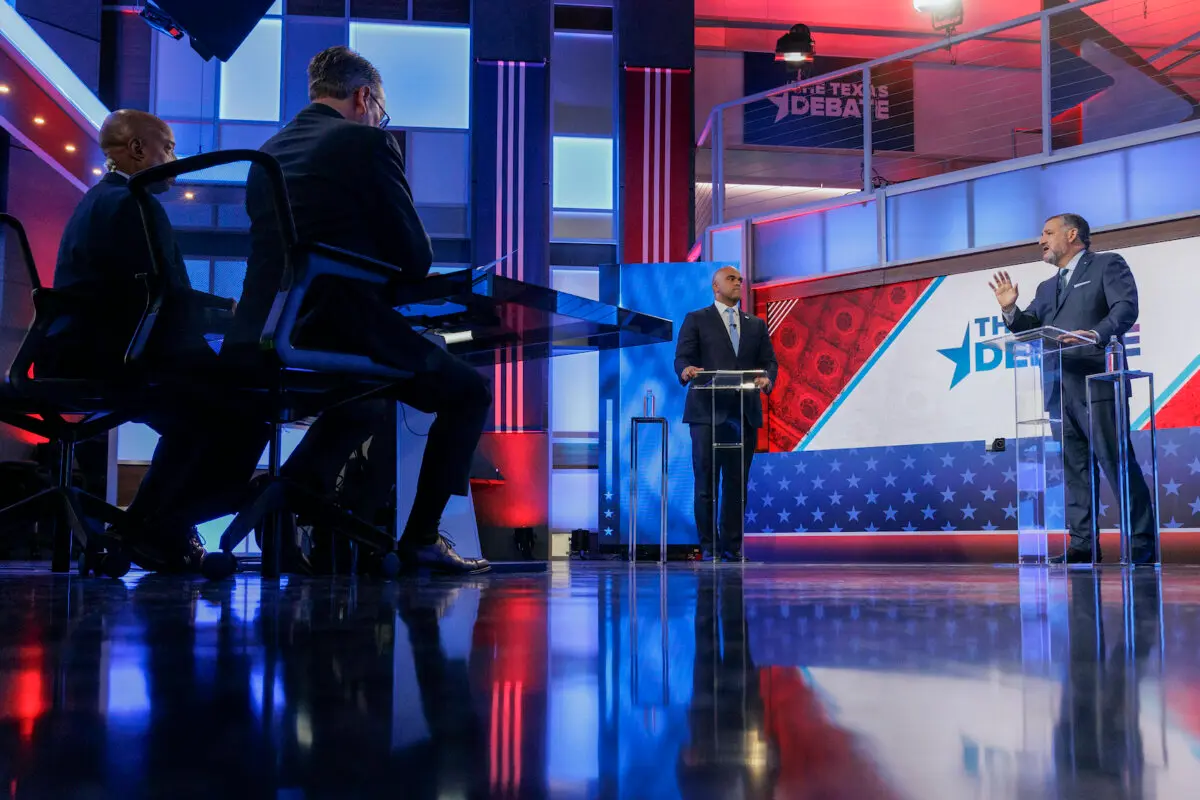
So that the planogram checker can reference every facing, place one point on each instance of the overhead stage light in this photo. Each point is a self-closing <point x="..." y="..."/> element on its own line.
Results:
<point x="946" y="15"/>
<point x="796" y="46"/>
<point x="70" y="148"/>
<point x="4" y="88"/>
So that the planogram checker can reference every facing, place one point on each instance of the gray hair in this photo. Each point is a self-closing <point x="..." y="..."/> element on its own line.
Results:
<point x="338" y="71"/>
<point x="1079" y="224"/>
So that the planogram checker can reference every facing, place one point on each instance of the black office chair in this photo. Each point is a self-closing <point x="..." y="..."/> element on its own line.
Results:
<point x="291" y="381"/>
<point x="66" y="412"/>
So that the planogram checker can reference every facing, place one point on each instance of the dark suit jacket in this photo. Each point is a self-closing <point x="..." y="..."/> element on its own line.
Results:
<point x="347" y="189"/>
<point x="704" y="342"/>
<point x="1101" y="297"/>
<point x="103" y="251"/>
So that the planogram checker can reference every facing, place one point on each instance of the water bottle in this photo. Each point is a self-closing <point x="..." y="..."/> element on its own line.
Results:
<point x="648" y="404"/>
<point x="1114" y="356"/>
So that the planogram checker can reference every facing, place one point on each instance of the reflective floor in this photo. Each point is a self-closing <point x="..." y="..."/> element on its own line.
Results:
<point x="595" y="680"/>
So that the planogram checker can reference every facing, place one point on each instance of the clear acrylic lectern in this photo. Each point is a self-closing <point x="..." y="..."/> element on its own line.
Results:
<point x="728" y="390"/>
<point x="1036" y="357"/>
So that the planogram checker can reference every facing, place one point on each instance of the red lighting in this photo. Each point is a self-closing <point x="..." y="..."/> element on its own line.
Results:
<point x="506" y="737"/>
<point x="522" y="500"/>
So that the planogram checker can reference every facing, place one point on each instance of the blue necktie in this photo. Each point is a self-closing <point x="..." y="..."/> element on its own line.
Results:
<point x="1062" y="283"/>
<point x="733" y="329"/>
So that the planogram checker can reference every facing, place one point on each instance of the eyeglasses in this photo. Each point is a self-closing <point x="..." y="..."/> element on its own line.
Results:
<point x="385" y="120"/>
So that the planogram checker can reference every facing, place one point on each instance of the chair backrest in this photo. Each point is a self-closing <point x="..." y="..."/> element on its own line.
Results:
<point x="19" y="366"/>
<point x="160" y="259"/>
<point x="303" y="264"/>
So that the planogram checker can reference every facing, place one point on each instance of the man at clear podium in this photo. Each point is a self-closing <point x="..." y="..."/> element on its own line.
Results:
<point x="723" y="337"/>
<point x="1094" y="296"/>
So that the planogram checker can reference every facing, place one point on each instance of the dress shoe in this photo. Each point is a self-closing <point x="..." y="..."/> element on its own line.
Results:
<point x="1142" y="554"/>
<point x="439" y="556"/>
<point x="733" y="557"/>
<point x="1075" y="556"/>
<point x="176" y="552"/>
<point x="706" y="554"/>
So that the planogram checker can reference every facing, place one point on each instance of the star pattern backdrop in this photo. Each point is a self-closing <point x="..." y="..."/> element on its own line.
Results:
<point x="938" y="488"/>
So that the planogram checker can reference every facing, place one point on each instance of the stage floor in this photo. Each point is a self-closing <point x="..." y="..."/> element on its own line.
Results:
<point x="602" y="680"/>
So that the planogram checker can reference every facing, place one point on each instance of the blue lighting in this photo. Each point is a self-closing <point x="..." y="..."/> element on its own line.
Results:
<point x="250" y="80"/>
<point x="426" y="71"/>
<point x="42" y="57"/>
<point x="583" y="173"/>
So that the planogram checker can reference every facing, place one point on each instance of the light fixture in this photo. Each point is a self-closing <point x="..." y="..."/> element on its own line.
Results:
<point x="39" y="120"/>
<point x="946" y="15"/>
<point x="4" y="88"/>
<point x="189" y="195"/>
<point x="70" y="148"/>
<point x="796" y="46"/>
<point x="97" y="171"/>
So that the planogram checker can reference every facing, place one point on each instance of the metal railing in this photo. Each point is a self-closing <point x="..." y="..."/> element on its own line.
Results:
<point x="1024" y="89"/>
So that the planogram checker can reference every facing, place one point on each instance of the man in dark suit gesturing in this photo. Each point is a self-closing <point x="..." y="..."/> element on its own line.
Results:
<point x="723" y="337"/>
<point x="1095" y="298"/>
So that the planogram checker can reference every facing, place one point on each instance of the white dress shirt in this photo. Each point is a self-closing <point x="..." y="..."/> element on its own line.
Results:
<point x="723" y="310"/>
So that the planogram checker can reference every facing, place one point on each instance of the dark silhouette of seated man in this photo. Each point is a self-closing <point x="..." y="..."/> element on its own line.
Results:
<point x="206" y="449"/>
<point x="346" y="182"/>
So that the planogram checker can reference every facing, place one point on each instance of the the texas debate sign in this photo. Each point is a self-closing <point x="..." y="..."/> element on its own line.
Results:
<point x="829" y="114"/>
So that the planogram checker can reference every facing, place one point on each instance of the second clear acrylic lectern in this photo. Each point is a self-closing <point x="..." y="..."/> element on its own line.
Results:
<point x="728" y="390"/>
<point x="1036" y="357"/>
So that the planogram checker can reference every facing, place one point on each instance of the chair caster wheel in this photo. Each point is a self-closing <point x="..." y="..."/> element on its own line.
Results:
<point x="389" y="566"/>
<point x="114" y="565"/>
<point x="219" y="565"/>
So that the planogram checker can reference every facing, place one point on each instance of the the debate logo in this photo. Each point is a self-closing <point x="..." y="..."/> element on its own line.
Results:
<point x="832" y="99"/>
<point x="977" y="354"/>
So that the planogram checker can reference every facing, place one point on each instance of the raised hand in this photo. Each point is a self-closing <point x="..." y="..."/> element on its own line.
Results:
<point x="1005" y="290"/>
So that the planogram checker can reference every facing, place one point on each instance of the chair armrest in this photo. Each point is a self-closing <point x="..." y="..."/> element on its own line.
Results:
<point x="215" y="302"/>
<point x="352" y="265"/>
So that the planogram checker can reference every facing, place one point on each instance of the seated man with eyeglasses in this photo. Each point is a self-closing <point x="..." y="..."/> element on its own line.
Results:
<point x="347" y="187"/>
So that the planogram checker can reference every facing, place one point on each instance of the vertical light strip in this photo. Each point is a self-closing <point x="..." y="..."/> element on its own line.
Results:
<point x="506" y="736"/>
<point x="670" y="78"/>
<point x="497" y="386"/>
<point x="521" y="242"/>
<point x="518" y="744"/>
<point x="494" y="739"/>
<point x="511" y="219"/>
<point x="646" y="172"/>
<point x="654" y="250"/>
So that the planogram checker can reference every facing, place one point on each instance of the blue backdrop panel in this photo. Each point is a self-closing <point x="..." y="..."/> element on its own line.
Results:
<point x="670" y="291"/>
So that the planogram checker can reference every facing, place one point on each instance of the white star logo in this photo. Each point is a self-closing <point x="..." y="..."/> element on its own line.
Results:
<point x="783" y="104"/>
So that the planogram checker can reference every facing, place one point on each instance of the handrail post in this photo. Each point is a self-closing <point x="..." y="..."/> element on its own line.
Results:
<point x="868" y="116"/>
<point x="1047" y="88"/>
<point x="718" y="167"/>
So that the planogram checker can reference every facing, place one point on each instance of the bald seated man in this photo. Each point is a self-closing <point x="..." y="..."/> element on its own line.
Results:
<point x="723" y="337"/>
<point x="207" y="448"/>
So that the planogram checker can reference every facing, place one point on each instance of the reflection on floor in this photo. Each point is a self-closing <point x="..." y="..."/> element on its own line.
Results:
<point x="606" y="681"/>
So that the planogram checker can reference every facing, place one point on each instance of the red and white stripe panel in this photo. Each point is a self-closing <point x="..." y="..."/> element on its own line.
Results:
<point x="657" y="155"/>
<point x="509" y="378"/>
